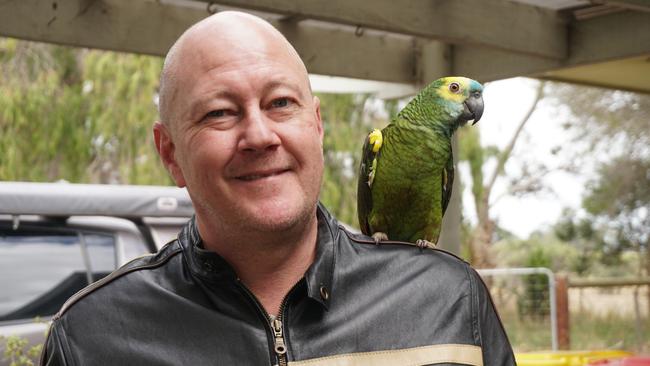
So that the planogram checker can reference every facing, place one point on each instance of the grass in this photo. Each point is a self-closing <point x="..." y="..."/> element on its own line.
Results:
<point x="610" y="331"/>
<point x="587" y="332"/>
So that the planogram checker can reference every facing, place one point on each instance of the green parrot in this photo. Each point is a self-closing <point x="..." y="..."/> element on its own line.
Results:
<point x="407" y="170"/>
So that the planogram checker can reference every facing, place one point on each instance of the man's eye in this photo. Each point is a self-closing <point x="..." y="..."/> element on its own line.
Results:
<point x="280" y="102"/>
<point x="216" y="114"/>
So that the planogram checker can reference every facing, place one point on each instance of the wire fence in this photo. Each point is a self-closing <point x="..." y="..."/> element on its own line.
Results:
<point x="610" y="313"/>
<point x="541" y="311"/>
<point x="525" y="300"/>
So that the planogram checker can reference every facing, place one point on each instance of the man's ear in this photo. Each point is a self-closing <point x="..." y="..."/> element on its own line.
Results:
<point x="319" y="121"/>
<point x="166" y="148"/>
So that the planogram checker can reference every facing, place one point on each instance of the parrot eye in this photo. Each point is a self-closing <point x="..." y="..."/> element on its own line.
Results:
<point x="454" y="87"/>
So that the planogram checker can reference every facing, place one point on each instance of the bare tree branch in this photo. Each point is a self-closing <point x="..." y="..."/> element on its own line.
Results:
<point x="505" y="154"/>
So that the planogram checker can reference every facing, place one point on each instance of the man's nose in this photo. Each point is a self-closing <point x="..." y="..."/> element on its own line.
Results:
<point x="259" y="133"/>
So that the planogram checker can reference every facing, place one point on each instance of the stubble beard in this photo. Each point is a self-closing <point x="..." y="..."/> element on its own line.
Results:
<point x="240" y="223"/>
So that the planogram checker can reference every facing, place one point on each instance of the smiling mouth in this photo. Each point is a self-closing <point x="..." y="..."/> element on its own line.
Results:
<point x="261" y="175"/>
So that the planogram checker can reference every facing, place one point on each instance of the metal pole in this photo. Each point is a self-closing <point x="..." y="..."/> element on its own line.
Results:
<point x="551" y="288"/>
<point x="85" y="254"/>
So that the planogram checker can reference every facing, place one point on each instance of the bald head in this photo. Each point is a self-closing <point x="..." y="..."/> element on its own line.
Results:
<point x="234" y="37"/>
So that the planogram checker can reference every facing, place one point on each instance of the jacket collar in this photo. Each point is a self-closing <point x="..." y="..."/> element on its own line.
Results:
<point x="210" y="266"/>
<point x="320" y="274"/>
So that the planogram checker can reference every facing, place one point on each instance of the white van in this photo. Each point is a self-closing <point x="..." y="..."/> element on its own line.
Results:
<point x="56" y="238"/>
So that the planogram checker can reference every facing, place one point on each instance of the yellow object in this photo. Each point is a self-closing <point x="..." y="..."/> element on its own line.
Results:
<point x="568" y="358"/>
<point x="376" y="139"/>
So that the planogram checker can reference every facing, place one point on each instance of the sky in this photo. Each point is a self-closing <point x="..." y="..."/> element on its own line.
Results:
<point x="506" y="103"/>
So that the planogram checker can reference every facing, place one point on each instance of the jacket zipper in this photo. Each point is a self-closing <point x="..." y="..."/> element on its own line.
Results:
<point x="277" y="328"/>
<point x="280" y="347"/>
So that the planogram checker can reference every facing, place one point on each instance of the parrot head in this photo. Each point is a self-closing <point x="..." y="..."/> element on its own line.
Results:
<point x="445" y="104"/>
<point x="462" y="91"/>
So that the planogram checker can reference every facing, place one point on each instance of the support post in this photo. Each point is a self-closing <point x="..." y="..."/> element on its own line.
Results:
<point x="562" y="298"/>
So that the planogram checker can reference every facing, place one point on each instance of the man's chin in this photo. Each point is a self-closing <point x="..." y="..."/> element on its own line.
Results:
<point x="278" y="217"/>
<point x="278" y="221"/>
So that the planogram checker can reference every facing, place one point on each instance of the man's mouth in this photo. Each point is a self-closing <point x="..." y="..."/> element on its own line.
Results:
<point x="260" y="174"/>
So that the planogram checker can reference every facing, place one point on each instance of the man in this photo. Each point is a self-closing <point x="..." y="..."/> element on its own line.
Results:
<point x="263" y="275"/>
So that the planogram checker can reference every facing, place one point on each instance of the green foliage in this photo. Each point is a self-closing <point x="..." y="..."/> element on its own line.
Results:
<point x="346" y="126"/>
<point x="614" y="132"/>
<point x="515" y="252"/>
<point x="620" y="197"/>
<point x="77" y="115"/>
<point x="534" y="301"/>
<point x="580" y="234"/>
<point x="626" y="191"/>
<point x="607" y="118"/>
<point x="603" y="248"/>
<point x="18" y="353"/>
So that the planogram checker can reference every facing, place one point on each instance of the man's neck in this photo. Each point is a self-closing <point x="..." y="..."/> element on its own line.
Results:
<point x="268" y="264"/>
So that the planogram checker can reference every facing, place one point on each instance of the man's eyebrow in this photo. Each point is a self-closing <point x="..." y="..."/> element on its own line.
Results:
<point x="207" y="97"/>
<point x="282" y="83"/>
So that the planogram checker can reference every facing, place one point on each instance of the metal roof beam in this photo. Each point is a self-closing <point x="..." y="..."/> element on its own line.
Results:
<point x="499" y="24"/>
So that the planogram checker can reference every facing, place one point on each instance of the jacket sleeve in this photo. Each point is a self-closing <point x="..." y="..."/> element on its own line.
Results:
<point x="53" y="350"/>
<point x="494" y="342"/>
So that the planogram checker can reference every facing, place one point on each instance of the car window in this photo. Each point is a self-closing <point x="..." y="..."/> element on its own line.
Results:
<point x="164" y="229"/>
<point x="101" y="250"/>
<point x="40" y="269"/>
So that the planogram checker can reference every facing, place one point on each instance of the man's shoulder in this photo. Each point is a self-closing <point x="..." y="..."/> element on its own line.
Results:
<point x="123" y="281"/>
<point x="363" y="240"/>
<point x="405" y="254"/>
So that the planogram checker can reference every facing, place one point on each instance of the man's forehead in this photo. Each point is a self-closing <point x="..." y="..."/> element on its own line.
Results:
<point x="218" y="59"/>
<point x="226" y="41"/>
<point x="232" y="40"/>
<point x="233" y="35"/>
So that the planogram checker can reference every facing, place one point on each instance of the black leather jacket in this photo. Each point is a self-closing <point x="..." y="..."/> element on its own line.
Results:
<point x="358" y="304"/>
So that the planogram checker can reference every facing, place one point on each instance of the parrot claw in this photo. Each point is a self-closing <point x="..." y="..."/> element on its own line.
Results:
<point x="379" y="236"/>
<point x="423" y="244"/>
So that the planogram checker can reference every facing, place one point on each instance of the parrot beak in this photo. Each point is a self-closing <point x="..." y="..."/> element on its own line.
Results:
<point x="473" y="107"/>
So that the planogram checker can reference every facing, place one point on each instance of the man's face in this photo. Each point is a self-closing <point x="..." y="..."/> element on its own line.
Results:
<point x="247" y="135"/>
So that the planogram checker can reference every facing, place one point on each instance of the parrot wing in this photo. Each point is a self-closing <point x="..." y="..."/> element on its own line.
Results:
<point x="447" y="182"/>
<point x="367" y="169"/>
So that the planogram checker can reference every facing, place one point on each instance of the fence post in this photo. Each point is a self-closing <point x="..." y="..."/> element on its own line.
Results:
<point x="562" y="298"/>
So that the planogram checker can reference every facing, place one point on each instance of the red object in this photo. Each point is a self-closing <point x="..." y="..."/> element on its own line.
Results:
<point x="628" y="361"/>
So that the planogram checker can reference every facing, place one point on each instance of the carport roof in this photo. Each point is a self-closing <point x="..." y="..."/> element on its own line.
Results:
<point x="597" y="42"/>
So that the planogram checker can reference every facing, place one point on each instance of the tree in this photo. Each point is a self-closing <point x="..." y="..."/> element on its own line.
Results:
<point x="614" y="133"/>
<point x="481" y="235"/>
<point x="619" y="198"/>
<point x="346" y="122"/>
<point x="78" y="115"/>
